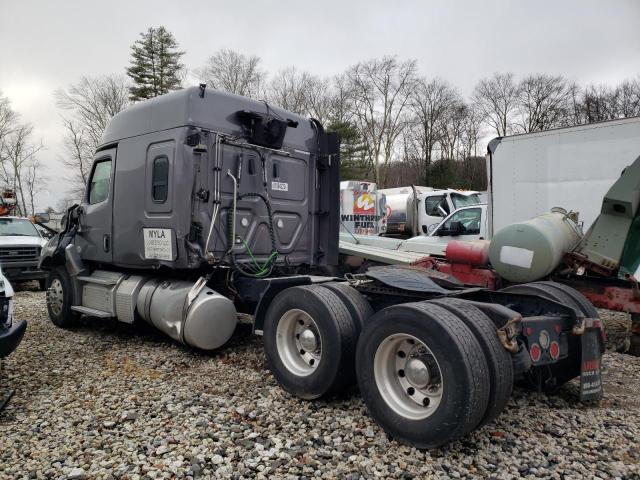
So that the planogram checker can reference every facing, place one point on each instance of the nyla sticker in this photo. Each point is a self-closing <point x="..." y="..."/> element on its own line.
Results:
<point x="158" y="243"/>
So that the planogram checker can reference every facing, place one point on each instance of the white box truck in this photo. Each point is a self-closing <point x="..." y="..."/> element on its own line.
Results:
<point x="572" y="168"/>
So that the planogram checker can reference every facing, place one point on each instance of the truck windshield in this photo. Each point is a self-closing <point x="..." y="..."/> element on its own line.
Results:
<point x="464" y="200"/>
<point x="19" y="227"/>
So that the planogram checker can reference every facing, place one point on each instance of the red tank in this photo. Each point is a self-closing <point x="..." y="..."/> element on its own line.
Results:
<point x="475" y="252"/>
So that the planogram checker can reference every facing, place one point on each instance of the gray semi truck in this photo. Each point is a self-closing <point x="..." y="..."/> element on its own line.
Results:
<point x="201" y="205"/>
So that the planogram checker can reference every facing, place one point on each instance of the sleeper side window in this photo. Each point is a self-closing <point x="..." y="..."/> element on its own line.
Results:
<point x="160" y="180"/>
<point x="100" y="182"/>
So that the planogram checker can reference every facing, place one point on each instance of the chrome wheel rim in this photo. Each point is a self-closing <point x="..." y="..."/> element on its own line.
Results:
<point x="299" y="342"/>
<point x="408" y="376"/>
<point x="55" y="297"/>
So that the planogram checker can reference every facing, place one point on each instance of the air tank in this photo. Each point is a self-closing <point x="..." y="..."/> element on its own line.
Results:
<point x="474" y="252"/>
<point x="530" y="250"/>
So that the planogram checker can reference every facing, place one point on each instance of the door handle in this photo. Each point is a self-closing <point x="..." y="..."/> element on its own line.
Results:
<point x="105" y="242"/>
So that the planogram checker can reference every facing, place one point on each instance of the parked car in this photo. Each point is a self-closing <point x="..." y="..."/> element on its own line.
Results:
<point x="11" y="333"/>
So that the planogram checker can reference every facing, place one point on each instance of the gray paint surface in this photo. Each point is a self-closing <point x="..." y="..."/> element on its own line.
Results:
<point x="160" y="127"/>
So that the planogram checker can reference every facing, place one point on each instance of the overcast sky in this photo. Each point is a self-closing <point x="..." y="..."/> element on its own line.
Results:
<point x="45" y="45"/>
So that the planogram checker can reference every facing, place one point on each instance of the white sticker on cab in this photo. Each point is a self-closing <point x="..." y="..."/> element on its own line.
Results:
<point x="280" y="186"/>
<point x="518" y="257"/>
<point x="158" y="243"/>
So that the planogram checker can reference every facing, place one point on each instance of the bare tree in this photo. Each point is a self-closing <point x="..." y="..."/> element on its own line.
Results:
<point x="544" y="102"/>
<point x="288" y="90"/>
<point x="431" y="102"/>
<point x="34" y="181"/>
<point x="234" y="72"/>
<point x="380" y="91"/>
<point x="576" y="115"/>
<point x="497" y="99"/>
<point x="471" y="132"/>
<point x="600" y="102"/>
<point x="20" y="169"/>
<point x="90" y="103"/>
<point x="629" y="98"/>
<point x="341" y="100"/>
<point x="453" y="131"/>
<point x="8" y="120"/>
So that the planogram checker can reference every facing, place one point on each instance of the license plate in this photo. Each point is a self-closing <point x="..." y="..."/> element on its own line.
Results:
<point x="590" y="372"/>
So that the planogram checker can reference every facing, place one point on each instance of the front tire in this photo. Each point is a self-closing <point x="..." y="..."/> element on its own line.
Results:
<point x="60" y="298"/>
<point x="422" y="374"/>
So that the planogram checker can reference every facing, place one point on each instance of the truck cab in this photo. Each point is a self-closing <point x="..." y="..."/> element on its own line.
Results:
<point x="466" y="224"/>
<point x="416" y="210"/>
<point x="20" y="245"/>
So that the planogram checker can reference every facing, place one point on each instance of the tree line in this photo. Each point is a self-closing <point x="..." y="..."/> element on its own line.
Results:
<point x="397" y="126"/>
<point x="20" y="168"/>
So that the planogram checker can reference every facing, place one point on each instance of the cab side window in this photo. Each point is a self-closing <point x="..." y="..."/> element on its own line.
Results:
<point x="470" y="220"/>
<point x="431" y="205"/>
<point x="100" y="182"/>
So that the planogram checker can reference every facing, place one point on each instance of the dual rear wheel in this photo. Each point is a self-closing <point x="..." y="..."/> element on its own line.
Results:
<point x="429" y="372"/>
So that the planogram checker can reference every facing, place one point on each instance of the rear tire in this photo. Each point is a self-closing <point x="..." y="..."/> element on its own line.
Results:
<point x="578" y="298"/>
<point x="358" y="306"/>
<point x="422" y="374"/>
<point x="499" y="362"/>
<point x="309" y="341"/>
<point x="60" y="298"/>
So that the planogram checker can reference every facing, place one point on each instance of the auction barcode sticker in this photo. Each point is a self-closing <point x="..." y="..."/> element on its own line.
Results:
<point x="158" y="243"/>
<point x="280" y="186"/>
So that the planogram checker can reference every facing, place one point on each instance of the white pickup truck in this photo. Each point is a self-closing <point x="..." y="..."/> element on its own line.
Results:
<point x="466" y="223"/>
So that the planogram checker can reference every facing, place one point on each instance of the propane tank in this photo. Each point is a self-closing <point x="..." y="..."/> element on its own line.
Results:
<point x="531" y="250"/>
<point x="474" y="252"/>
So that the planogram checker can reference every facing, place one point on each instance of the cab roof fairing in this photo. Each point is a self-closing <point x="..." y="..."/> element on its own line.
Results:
<point x="215" y="111"/>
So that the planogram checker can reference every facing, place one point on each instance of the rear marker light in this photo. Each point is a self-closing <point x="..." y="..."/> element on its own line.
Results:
<point x="554" y="350"/>
<point x="529" y="331"/>
<point x="557" y="328"/>
<point x="535" y="352"/>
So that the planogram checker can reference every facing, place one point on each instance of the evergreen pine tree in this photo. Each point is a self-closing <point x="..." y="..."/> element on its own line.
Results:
<point x="352" y="150"/>
<point x="155" y="64"/>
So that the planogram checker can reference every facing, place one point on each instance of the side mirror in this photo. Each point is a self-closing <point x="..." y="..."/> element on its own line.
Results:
<point x="456" y="228"/>
<point x="425" y="229"/>
<point x="42" y="218"/>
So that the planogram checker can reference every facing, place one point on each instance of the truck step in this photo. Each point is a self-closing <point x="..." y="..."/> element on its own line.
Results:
<point x="101" y="277"/>
<point x="92" y="312"/>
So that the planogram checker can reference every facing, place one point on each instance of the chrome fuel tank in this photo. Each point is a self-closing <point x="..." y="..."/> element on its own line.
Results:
<point x="207" y="322"/>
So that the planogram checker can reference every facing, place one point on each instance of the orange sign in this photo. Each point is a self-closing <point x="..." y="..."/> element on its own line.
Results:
<point x="363" y="203"/>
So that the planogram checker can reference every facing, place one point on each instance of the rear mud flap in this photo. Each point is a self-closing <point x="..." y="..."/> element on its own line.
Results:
<point x="590" y="367"/>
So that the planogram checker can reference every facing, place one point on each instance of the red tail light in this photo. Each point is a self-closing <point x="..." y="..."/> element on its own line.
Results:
<point x="554" y="350"/>
<point x="535" y="352"/>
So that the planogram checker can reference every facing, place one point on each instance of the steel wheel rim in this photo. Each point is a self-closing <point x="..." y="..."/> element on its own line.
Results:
<point x="408" y="376"/>
<point x="55" y="297"/>
<point x="299" y="342"/>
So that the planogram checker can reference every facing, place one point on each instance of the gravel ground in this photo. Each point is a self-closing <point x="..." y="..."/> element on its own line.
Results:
<point x="108" y="400"/>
